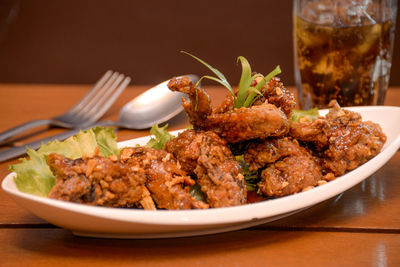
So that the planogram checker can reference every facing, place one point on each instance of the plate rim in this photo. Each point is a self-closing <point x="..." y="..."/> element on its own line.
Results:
<point x="218" y="216"/>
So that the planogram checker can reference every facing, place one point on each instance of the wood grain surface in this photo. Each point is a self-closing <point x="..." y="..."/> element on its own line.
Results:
<point x="360" y="227"/>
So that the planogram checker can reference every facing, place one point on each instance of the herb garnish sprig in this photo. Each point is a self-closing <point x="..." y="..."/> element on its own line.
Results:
<point x="246" y="94"/>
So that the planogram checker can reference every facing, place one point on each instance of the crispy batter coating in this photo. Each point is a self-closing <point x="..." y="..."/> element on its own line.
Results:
<point x="342" y="138"/>
<point x="167" y="183"/>
<point x="96" y="180"/>
<point x="206" y="155"/>
<point x="234" y="125"/>
<point x="275" y="93"/>
<point x="289" y="168"/>
<point x="249" y="123"/>
<point x="138" y="177"/>
<point x="289" y="158"/>
<point x="198" y="107"/>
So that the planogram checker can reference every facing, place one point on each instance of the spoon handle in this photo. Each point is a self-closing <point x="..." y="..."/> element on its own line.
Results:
<point x="17" y="151"/>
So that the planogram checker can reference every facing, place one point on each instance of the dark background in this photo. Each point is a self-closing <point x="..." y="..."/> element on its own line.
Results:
<point x="47" y="41"/>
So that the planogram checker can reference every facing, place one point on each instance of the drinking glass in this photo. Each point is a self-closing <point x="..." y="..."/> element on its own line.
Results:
<point x="343" y="51"/>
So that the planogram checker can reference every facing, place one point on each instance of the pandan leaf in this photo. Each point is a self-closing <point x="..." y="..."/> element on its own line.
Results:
<point x="244" y="83"/>
<point x="246" y="95"/>
<point x="222" y="80"/>
<point x="253" y="95"/>
<point x="214" y="79"/>
<point x="273" y="73"/>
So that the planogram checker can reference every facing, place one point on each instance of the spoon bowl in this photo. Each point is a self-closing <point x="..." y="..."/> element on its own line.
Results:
<point x="154" y="106"/>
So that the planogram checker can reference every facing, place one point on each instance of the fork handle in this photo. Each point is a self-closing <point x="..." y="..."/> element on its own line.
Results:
<point x="17" y="151"/>
<point x="13" y="152"/>
<point x="21" y="150"/>
<point x="20" y="129"/>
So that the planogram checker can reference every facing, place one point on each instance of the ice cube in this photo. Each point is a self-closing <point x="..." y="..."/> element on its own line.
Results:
<point x="357" y="15"/>
<point x="341" y="13"/>
<point x="371" y="37"/>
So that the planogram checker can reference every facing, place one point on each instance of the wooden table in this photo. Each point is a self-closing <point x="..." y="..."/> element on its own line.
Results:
<point x="361" y="227"/>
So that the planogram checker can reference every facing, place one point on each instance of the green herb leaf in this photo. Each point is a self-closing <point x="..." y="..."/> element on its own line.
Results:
<point x="222" y="80"/>
<point x="304" y="115"/>
<point x="255" y="94"/>
<point x="246" y="95"/>
<point x="273" y="73"/>
<point x="244" y="83"/>
<point x="216" y="80"/>
<point x="251" y="178"/>
<point x="196" y="193"/>
<point x="34" y="175"/>
<point x="161" y="137"/>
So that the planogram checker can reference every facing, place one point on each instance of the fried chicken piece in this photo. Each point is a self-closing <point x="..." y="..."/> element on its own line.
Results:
<point x="206" y="155"/>
<point x="234" y="125"/>
<point x="167" y="183"/>
<point x="275" y="93"/>
<point x="344" y="140"/>
<point x="97" y="181"/>
<point x="249" y="123"/>
<point x="225" y="106"/>
<point x="311" y="131"/>
<point x="198" y="107"/>
<point x="290" y="168"/>
<point x="262" y="152"/>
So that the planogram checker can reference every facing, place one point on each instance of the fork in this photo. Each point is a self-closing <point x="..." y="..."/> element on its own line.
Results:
<point x="87" y="111"/>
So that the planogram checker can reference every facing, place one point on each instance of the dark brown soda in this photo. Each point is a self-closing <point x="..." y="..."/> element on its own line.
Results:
<point x="348" y="64"/>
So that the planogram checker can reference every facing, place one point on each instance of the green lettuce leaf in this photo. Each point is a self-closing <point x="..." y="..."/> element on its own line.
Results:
<point x="304" y="115"/>
<point x="34" y="175"/>
<point x="106" y="141"/>
<point x="161" y="137"/>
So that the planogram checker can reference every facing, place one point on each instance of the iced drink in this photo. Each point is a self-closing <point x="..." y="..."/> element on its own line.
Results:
<point x="342" y="58"/>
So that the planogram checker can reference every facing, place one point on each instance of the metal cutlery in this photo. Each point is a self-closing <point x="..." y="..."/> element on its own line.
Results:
<point x="87" y="111"/>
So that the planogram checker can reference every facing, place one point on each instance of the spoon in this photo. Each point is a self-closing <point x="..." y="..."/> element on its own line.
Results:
<point x="156" y="105"/>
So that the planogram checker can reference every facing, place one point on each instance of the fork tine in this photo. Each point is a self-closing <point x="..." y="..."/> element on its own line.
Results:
<point x="107" y="100"/>
<point x="101" y="94"/>
<point x="94" y="99"/>
<point x="99" y="84"/>
<point x="95" y="105"/>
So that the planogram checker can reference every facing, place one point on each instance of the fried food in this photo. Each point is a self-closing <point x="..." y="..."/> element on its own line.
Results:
<point x="341" y="138"/>
<point x="278" y="158"/>
<point x="198" y="107"/>
<point x="97" y="181"/>
<point x="287" y="168"/>
<point x="259" y="121"/>
<point x="206" y="155"/>
<point x="136" y="179"/>
<point x="275" y="93"/>
<point x="167" y="183"/>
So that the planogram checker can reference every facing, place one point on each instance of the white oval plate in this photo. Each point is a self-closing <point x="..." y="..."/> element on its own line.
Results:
<point x="93" y="221"/>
